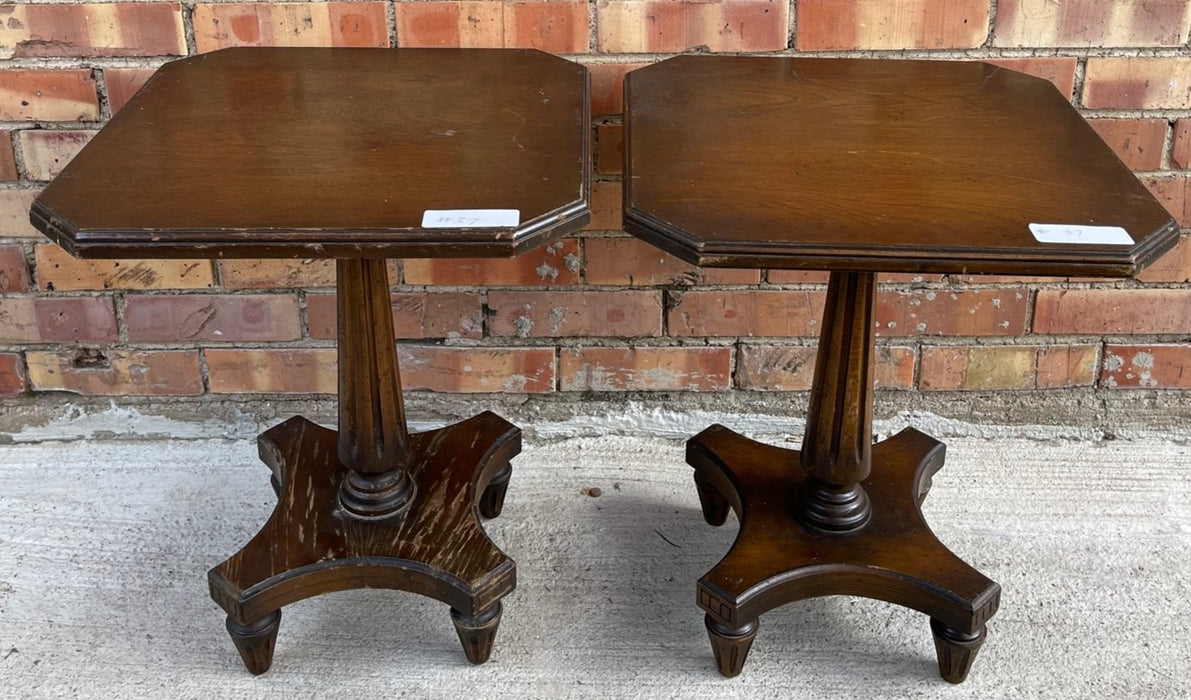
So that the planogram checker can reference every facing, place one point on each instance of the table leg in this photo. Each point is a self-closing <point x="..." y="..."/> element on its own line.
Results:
<point x="373" y="506"/>
<point x="839" y="516"/>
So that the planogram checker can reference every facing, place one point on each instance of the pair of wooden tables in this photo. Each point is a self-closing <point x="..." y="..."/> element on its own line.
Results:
<point x="852" y="166"/>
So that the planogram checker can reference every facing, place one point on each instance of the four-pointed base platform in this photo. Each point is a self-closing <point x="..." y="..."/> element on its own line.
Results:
<point x="436" y="547"/>
<point x="776" y="559"/>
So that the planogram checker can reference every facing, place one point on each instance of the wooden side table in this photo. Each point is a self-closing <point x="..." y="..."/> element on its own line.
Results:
<point x="348" y="154"/>
<point x="859" y="167"/>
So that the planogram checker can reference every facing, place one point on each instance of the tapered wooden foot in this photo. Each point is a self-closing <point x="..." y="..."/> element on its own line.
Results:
<point x="311" y="545"/>
<point x="255" y="641"/>
<point x="476" y="634"/>
<point x="956" y="650"/>
<point x="714" y="506"/>
<point x="730" y="646"/>
<point x="778" y="559"/>
<point x="492" y="501"/>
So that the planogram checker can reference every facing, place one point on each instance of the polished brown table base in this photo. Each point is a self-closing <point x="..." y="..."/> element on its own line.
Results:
<point x="308" y="547"/>
<point x="777" y="559"/>
<point x="372" y="505"/>
<point x="838" y="517"/>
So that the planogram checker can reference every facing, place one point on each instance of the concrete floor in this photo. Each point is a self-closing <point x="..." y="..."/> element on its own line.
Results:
<point x="105" y="544"/>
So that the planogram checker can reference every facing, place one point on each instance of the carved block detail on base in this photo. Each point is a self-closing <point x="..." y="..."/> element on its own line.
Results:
<point x="436" y="547"/>
<point x="777" y="559"/>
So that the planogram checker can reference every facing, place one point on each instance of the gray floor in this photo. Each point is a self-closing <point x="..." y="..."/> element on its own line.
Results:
<point x="105" y="544"/>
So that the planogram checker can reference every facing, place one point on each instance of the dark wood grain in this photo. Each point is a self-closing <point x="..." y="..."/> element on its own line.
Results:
<point x="873" y="165"/>
<point x="313" y="152"/>
<point x="373" y="442"/>
<point x="436" y="547"/>
<point x="295" y="152"/>
<point x="858" y="167"/>
<point x="837" y="448"/>
<point x="776" y="559"/>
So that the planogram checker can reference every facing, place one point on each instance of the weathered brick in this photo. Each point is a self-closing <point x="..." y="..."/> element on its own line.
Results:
<point x="48" y="95"/>
<point x="423" y="368"/>
<point x="14" y="271"/>
<point x="610" y="149"/>
<point x="998" y="368"/>
<point x="631" y="261"/>
<point x="59" y="271"/>
<point x="894" y="368"/>
<point x="557" y="263"/>
<point x="117" y="372"/>
<point x="123" y="83"/>
<point x="1061" y="366"/>
<point x="627" y="314"/>
<point x="1172" y="193"/>
<point x="556" y="26"/>
<point x="93" y="29"/>
<point x="48" y="151"/>
<point x="829" y="25"/>
<point x="1113" y="311"/>
<point x="477" y="370"/>
<point x="607" y="86"/>
<point x="415" y="315"/>
<point x="775" y="367"/>
<point x="1137" y="142"/>
<point x="792" y="368"/>
<point x="1147" y="367"/>
<point x="57" y="320"/>
<point x="1175" y="266"/>
<point x="646" y="369"/>
<point x="659" y="26"/>
<point x="798" y="276"/>
<point x="8" y="163"/>
<point x="1091" y="23"/>
<point x="355" y="24"/>
<point x="475" y="24"/>
<point x="765" y="313"/>
<point x="607" y="207"/>
<point x="276" y="274"/>
<point x="1180" y="152"/>
<point x="212" y="317"/>
<point x="12" y="375"/>
<point x="822" y="277"/>
<point x="272" y="371"/>
<point x="980" y="368"/>
<point x="14" y="214"/>
<point x="974" y="312"/>
<point x="907" y="278"/>
<point x="1138" y="83"/>
<point x="1059" y="71"/>
<point x="1004" y="280"/>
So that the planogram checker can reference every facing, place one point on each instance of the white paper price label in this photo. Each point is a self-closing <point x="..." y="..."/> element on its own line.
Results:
<point x="471" y="218"/>
<point x="1080" y="235"/>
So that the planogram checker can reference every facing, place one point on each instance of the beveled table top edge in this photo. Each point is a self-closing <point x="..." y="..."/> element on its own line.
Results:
<point x="1098" y="261"/>
<point x="312" y="243"/>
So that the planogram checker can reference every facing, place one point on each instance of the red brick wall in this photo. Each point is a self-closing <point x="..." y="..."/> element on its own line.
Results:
<point x="599" y="311"/>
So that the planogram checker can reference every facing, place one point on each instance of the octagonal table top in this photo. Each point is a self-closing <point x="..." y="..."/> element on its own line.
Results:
<point x="317" y="152"/>
<point x="877" y="165"/>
